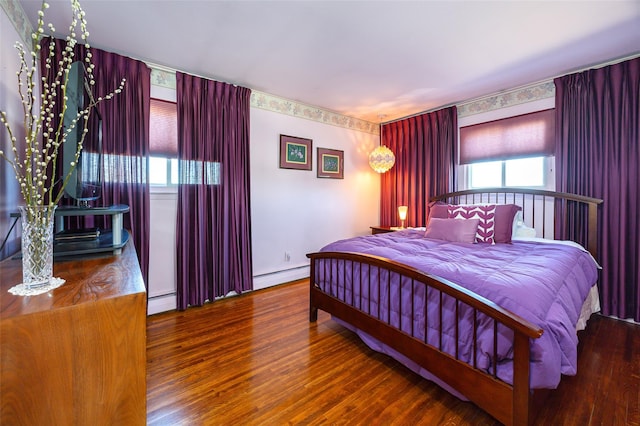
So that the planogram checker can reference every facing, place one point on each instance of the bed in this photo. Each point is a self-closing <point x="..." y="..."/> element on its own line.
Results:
<point x="491" y="321"/>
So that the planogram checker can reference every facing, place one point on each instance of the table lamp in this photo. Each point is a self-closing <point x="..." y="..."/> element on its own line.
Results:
<point x="402" y="213"/>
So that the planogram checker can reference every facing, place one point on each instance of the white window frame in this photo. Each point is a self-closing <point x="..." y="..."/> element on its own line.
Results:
<point x="548" y="176"/>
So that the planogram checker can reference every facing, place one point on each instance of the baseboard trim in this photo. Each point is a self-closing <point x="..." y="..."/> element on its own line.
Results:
<point x="280" y="277"/>
<point x="159" y="304"/>
<point x="169" y="302"/>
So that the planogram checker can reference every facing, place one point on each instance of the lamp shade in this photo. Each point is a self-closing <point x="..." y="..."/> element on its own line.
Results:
<point x="402" y="212"/>
<point x="381" y="159"/>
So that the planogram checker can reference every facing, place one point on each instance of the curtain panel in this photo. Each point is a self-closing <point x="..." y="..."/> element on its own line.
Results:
<point x="125" y="142"/>
<point x="425" y="147"/>
<point x="213" y="234"/>
<point x="598" y="155"/>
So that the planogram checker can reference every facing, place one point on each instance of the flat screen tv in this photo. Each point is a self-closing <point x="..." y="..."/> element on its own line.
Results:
<point x="85" y="183"/>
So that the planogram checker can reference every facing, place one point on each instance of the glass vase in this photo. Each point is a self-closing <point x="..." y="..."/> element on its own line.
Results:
<point x="37" y="245"/>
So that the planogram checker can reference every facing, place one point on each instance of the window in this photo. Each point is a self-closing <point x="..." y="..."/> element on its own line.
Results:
<point x="522" y="172"/>
<point x="512" y="152"/>
<point x="163" y="143"/>
<point x="163" y="171"/>
<point x="163" y="148"/>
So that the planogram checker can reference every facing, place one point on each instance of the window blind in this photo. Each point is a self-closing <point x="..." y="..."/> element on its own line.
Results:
<point x="163" y="128"/>
<point x="528" y="135"/>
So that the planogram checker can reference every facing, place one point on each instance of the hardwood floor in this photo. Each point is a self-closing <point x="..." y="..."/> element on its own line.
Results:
<point x="256" y="360"/>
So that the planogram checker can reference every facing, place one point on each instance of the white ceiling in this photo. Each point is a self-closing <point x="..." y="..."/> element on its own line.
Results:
<point x="374" y="60"/>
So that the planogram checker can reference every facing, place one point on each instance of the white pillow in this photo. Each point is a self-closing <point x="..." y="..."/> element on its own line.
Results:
<point x="517" y="221"/>
<point x="520" y="230"/>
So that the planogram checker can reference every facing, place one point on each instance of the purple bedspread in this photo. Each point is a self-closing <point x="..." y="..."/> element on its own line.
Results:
<point x="544" y="283"/>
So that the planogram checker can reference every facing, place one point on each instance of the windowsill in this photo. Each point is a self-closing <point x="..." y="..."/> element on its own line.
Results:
<point x="158" y="189"/>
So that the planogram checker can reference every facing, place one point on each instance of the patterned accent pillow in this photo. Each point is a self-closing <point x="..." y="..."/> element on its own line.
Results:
<point x="485" y="213"/>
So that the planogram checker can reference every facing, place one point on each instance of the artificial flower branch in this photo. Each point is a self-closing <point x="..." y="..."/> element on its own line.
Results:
<point x="42" y="140"/>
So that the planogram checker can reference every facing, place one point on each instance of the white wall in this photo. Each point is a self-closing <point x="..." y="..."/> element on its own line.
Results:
<point x="292" y="211"/>
<point x="10" y="103"/>
<point x="161" y="291"/>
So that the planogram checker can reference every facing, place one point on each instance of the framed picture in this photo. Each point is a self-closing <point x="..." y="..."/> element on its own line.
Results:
<point x="330" y="163"/>
<point x="295" y="153"/>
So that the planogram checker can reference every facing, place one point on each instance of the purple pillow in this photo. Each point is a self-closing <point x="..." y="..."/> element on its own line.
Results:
<point x="485" y="213"/>
<point x="505" y="213"/>
<point x="439" y="210"/>
<point x="455" y="230"/>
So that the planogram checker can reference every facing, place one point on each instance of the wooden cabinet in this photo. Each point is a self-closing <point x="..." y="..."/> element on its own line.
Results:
<point x="382" y="229"/>
<point x="77" y="354"/>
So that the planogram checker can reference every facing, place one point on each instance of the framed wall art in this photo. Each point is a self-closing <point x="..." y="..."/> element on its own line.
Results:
<point x="330" y="163"/>
<point x="295" y="153"/>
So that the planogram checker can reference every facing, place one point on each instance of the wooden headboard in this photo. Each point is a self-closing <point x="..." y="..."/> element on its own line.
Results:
<point x="538" y="208"/>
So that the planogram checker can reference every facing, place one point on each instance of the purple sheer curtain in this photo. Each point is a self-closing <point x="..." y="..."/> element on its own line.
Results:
<point x="125" y="143"/>
<point x="213" y="226"/>
<point x="425" y="147"/>
<point x="598" y="155"/>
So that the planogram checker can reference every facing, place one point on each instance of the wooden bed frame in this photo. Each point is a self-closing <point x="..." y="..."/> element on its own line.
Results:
<point x="510" y="404"/>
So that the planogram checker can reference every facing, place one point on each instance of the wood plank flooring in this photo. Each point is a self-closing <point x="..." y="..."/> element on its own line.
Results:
<point x="256" y="360"/>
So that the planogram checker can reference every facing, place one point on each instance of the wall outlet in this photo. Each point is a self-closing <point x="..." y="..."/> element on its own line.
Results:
<point x="287" y="256"/>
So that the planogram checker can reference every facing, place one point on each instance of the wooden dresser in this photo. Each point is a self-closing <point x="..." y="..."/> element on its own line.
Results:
<point x="77" y="354"/>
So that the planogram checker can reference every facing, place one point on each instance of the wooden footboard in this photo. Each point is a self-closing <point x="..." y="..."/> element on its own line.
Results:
<point x="338" y="286"/>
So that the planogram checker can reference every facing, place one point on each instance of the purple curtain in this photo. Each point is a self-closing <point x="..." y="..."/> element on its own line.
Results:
<point x="125" y="143"/>
<point x="213" y="230"/>
<point x="598" y="155"/>
<point x="425" y="147"/>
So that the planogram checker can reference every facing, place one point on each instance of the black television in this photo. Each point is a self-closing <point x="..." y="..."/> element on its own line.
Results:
<point x="85" y="182"/>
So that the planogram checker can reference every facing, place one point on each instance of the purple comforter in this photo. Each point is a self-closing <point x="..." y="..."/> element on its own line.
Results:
<point x="544" y="283"/>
